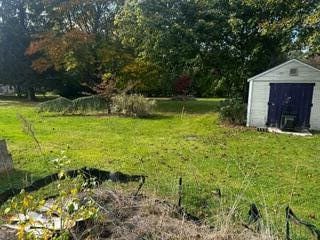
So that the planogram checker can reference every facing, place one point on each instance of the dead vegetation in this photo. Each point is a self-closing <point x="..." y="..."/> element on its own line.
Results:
<point x="124" y="216"/>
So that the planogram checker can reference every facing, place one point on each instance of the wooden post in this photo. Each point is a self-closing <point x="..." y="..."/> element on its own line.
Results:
<point x="288" y="223"/>
<point x="142" y="181"/>
<point x="180" y="192"/>
<point x="5" y="158"/>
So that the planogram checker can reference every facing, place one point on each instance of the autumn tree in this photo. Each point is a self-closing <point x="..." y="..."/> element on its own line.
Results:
<point x="80" y="41"/>
<point x="74" y="46"/>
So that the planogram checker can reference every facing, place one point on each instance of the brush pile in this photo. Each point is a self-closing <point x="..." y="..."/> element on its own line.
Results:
<point x="127" y="216"/>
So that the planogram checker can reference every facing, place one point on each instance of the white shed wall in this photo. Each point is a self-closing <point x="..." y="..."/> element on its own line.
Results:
<point x="260" y="90"/>
<point x="315" y="111"/>
<point x="259" y="104"/>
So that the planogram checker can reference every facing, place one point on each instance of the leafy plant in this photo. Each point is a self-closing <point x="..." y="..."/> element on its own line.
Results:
<point x="61" y="214"/>
<point x="182" y="84"/>
<point x="233" y="111"/>
<point x="132" y="105"/>
<point x="37" y="218"/>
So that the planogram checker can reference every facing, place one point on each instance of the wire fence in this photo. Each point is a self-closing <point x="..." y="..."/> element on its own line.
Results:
<point x="255" y="218"/>
<point x="253" y="222"/>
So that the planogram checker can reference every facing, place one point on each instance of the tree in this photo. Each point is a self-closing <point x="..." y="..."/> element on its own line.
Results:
<point x="249" y="51"/>
<point x="301" y="19"/>
<point x="73" y="46"/>
<point x="16" y="27"/>
<point x="183" y="84"/>
<point x="161" y="33"/>
<point x="72" y="36"/>
<point x="214" y="41"/>
<point x="79" y="41"/>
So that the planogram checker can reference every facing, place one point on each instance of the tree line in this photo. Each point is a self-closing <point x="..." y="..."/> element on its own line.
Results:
<point x="73" y="46"/>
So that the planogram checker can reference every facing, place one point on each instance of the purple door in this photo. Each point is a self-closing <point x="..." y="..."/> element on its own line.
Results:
<point x="293" y="99"/>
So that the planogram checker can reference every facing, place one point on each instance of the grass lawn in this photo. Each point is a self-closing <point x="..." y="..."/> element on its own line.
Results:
<point x="183" y="139"/>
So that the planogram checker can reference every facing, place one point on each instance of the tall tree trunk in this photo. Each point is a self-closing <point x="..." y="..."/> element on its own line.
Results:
<point x="31" y="94"/>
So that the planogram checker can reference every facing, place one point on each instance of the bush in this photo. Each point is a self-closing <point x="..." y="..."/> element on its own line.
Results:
<point x="132" y="105"/>
<point x="182" y="84"/>
<point x="93" y="103"/>
<point x="233" y="111"/>
<point x="60" y="104"/>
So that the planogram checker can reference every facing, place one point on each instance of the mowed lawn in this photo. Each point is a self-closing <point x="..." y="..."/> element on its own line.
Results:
<point x="183" y="139"/>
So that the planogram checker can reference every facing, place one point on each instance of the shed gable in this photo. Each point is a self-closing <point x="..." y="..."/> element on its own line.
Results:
<point x="293" y="70"/>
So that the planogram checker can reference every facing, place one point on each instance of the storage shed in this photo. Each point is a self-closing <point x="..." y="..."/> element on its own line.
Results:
<point x="286" y="97"/>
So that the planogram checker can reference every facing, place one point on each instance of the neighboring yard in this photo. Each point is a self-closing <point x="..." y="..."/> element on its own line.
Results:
<point x="183" y="139"/>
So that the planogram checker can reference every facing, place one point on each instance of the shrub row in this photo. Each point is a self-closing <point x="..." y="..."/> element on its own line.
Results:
<point x="231" y="110"/>
<point x="127" y="105"/>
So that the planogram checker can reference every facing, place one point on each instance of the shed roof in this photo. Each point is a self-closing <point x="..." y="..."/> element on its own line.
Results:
<point x="282" y="65"/>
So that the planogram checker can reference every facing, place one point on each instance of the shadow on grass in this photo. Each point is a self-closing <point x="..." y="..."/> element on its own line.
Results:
<point x="14" y="178"/>
<point x="68" y="115"/>
<point x="315" y="132"/>
<point x="20" y="101"/>
<point x="155" y="116"/>
<point x="199" y="106"/>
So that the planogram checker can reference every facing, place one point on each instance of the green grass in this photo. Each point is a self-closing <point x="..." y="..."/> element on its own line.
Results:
<point x="182" y="139"/>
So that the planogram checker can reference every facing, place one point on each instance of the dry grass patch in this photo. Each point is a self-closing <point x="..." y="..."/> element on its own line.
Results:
<point x="125" y="216"/>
